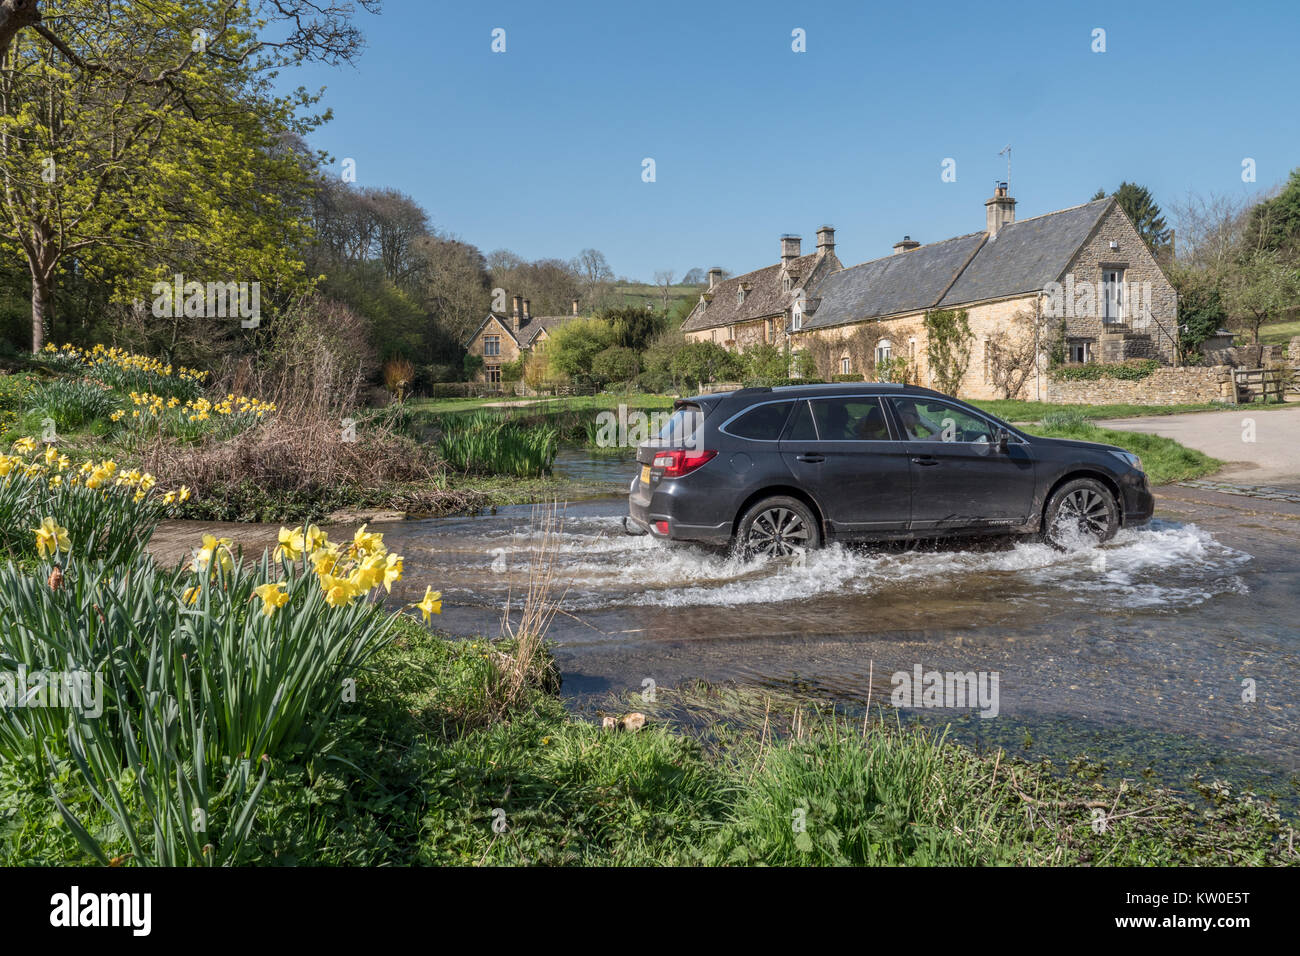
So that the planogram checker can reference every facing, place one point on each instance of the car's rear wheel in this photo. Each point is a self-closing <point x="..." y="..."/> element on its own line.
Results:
<point x="778" y="527"/>
<point x="1080" y="514"/>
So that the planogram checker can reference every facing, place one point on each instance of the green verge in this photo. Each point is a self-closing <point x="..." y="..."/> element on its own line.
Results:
<point x="1164" y="459"/>
<point x="418" y="770"/>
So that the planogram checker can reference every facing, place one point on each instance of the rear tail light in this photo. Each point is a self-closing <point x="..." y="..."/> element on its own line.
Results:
<point x="661" y="527"/>
<point x="678" y="462"/>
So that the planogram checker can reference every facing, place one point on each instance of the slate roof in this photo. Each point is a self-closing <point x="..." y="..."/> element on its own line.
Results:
<point x="528" y="334"/>
<point x="766" y="295"/>
<point x="903" y="282"/>
<point x="1023" y="257"/>
<point x="1026" y="255"/>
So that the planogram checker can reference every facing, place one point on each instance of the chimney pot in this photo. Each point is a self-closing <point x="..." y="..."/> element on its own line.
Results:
<point x="906" y="244"/>
<point x="516" y="309"/>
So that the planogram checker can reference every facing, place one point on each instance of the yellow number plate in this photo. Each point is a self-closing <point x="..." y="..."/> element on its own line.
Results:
<point x="645" y="474"/>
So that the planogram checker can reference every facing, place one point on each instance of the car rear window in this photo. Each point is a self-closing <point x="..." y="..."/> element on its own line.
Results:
<point x="682" y="426"/>
<point x="762" y="422"/>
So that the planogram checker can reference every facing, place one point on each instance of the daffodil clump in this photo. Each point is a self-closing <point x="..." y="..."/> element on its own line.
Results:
<point x="128" y="371"/>
<point x="349" y="571"/>
<point x="103" y="509"/>
<point x="152" y="413"/>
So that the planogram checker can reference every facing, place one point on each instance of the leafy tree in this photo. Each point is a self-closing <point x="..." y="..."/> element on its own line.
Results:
<point x="634" y="325"/>
<point x="765" y="364"/>
<point x="701" y="362"/>
<point x="614" y="364"/>
<point x="1261" y="288"/>
<point x="130" y="148"/>
<point x="1138" y="204"/>
<point x="1201" y="312"/>
<point x="573" y="347"/>
<point x="1274" y="224"/>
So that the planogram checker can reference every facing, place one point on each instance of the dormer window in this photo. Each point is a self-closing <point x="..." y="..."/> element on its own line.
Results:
<point x="740" y="294"/>
<point x="787" y="284"/>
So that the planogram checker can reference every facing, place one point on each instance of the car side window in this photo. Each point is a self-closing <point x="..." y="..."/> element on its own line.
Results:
<point x="853" y="418"/>
<point x="762" y="422"/>
<point x="929" y="420"/>
<point x="800" y="427"/>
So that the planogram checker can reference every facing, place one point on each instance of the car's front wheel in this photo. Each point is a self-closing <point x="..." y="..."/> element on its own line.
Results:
<point x="778" y="527"/>
<point x="1080" y="514"/>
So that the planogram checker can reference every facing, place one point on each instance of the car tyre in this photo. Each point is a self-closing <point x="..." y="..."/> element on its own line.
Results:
<point x="778" y="527"/>
<point x="1081" y="514"/>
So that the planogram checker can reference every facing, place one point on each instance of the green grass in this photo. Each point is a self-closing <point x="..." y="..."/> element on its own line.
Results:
<point x="1277" y="333"/>
<point x="418" y="770"/>
<point x="1018" y="411"/>
<point x="1164" y="459"/>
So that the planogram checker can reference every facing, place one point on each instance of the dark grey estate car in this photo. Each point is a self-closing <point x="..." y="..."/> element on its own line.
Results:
<point x="777" y="470"/>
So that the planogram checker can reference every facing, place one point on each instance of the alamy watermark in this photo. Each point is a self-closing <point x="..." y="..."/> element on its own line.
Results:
<point x="961" y="690"/>
<point x="210" y="300"/>
<point x="627" y="429"/>
<point x="78" y="690"/>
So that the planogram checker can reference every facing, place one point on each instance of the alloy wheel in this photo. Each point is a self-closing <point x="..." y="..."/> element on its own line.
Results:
<point x="778" y="532"/>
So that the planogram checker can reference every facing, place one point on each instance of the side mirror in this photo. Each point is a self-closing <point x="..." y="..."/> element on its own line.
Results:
<point x="1001" y="439"/>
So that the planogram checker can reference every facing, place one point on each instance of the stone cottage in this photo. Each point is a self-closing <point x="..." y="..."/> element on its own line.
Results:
<point x="502" y="339"/>
<point x="1080" y="280"/>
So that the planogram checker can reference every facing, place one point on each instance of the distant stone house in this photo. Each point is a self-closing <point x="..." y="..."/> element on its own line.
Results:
<point x="1082" y="277"/>
<point x="756" y="307"/>
<point x="502" y="339"/>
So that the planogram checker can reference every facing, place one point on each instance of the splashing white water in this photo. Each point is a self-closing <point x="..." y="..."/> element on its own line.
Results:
<point x="1160" y="565"/>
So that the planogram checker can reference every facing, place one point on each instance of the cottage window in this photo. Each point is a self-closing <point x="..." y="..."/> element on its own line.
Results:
<point x="491" y="345"/>
<point x="740" y="295"/>
<point x="883" y="351"/>
<point x="846" y="366"/>
<point x="1112" y="286"/>
<point x="492" y="374"/>
<point x="786" y="284"/>
<point x="1080" y="352"/>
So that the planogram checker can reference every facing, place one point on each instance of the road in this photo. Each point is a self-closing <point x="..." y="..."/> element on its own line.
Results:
<point x="1260" y="446"/>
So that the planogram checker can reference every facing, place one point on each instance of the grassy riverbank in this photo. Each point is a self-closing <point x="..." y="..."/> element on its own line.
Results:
<point x="419" y="770"/>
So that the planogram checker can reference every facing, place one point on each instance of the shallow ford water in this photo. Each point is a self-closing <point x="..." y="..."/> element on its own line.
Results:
<point x="1138" y="653"/>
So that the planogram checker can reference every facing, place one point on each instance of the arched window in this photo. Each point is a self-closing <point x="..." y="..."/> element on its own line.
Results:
<point x="846" y="365"/>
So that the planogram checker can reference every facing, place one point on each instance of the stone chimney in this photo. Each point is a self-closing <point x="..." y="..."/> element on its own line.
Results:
<point x="516" y="310"/>
<point x="527" y="318"/>
<point x="906" y="244"/>
<point x="825" y="240"/>
<point x="999" y="211"/>
<point x="575" y="306"/>
<point x="715" y="276"/>
<point x="789" y="249"/>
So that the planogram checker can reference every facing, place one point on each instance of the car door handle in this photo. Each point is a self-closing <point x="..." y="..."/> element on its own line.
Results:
<point x="925" y="460"/>
<point x="810" y="458"/>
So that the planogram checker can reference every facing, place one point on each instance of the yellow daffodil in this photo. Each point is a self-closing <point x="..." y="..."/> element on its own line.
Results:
<point x="392" y="571"/>
<point x="370" y="572"/>
<point x="273" y="596"/>
<point x="213" y="549"/>
<point x="290" y="545"/>
<point x="192" y="595"/>
<point x="25" y="445"/>
<point x="430" y="604"/>
<point x="51" y="538"/>
<point x="367" y="542"/>
<point x="338" y="591"/>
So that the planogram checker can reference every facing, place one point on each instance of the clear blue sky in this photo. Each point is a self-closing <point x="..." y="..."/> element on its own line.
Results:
<point x="539" y="149"/>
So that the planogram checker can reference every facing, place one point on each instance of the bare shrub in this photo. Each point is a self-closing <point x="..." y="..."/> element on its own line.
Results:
<point x="312" y="367"/>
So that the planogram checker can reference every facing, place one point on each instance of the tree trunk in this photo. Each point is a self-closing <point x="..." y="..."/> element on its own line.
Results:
<point x="42" y="310"/>
<point x="14" y="15"/>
